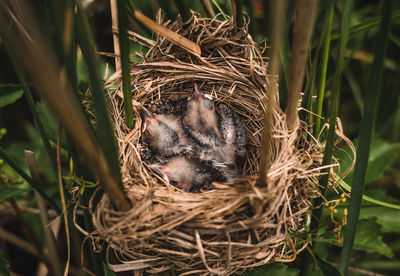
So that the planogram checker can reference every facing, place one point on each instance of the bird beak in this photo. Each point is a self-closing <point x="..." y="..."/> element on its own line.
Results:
<point x="145" y="115"/>
<point x="158" y="170"/>
<point x="197" y="94"/>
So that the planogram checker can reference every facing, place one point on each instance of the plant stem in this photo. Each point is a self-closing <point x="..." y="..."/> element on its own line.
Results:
<point x="125" y="62"/>
<point x="208" y="8"/>
<point x="239" y="13"/>
<point x="303" y="27"/>
<point x="322" y="76"/>
<point x="114" y="26"/>
<point x="270" y="102"/>
<point x="366" y="130"/>
<point x="327" y="159"/>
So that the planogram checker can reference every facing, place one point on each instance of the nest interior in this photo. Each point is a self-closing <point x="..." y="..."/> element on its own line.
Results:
<point x="237" y="225"/>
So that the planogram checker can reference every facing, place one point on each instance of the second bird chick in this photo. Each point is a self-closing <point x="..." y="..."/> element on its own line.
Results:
<point x="188" y="174"/>
<point x="163" y="134"/>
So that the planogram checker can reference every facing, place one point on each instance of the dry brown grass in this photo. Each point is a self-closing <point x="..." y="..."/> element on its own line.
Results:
<point x="236" y="225"/>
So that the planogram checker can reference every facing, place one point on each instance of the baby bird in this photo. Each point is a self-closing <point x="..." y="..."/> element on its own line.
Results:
<point x="200" y="117"/>
<point x="163" y="133"/>
<point x="188" y="174"/>
<point x="234" y="135"/>
<point x="217" y="132"/>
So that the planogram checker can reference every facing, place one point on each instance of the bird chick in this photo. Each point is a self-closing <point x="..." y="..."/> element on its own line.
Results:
<point x="163" y="133"/>
<point x="200" y="117"/>
<point x="188" y="174"/>
<point x="233" y="134"/>
<point x="217" y="133"/>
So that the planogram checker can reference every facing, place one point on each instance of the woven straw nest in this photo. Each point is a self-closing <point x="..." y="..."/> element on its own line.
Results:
<point x="237" y="225"/>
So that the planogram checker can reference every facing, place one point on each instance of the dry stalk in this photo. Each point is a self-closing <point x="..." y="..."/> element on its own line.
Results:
<point x="114" y="23"/>
<point x="303" y="27"/>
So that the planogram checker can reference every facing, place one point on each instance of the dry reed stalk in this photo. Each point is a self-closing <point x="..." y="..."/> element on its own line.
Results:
<point x="272" y="102"/>
<point x="303" y="27"/>
<point x="208" y="8"/>
<point x="235" y="226"/>
<point x="114" y="24"/>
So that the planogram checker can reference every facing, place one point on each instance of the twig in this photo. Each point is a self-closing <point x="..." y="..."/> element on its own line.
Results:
<point x="361" y="271"/>
<point x="63" y="203"/>
<point x="27" y="247"/>
<point x="233" y="7"/>
<point x="50" y="212"/>
<point x="114" y="20"/>
<point x="48" y="234"/>
<point x="303" y="27"/>
<point x="175" y="38"/>
<point x="208" y="8"/>
<point x="18" y="242"/>
<point x="30" y="234"/>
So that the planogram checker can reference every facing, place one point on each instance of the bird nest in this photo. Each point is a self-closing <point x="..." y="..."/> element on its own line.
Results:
<point x="234" y="226"/>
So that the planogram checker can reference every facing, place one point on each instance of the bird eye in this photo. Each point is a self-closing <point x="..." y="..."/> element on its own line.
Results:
<point x="207" y="104"/>
<point x="173" y="182"/>
<point x="147" y="133"/>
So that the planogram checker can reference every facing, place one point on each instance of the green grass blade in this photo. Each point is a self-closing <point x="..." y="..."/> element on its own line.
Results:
<point x="26" y="177"/>
<point x="220" y="9"/>
<point x="105" y="134"/>
<point x="322" y="76"/>
<point x="310" y="81"/>
<point x="367" y="24"/>
<point x="347" y="187"/>
<point x="124" y="51"/>
<point x="366" y="130"/>
<point x="327" y="159"/>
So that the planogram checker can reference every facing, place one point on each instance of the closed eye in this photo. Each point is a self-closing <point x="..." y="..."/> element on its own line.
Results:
<point x="207" y="104"/>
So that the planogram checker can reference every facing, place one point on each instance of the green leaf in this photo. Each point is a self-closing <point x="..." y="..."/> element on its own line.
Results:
<point x="381" y="155"/>
<point x="50" y="125"/>
<point x="9" y="93"/>
<point x="347" y="187"/>
<point x="8" y="191"/>
<point x="365" y="136"/>
<point x="321" y="266"/>
<point x="326" y="267"/>
<point x="387" y="217"/>
<point x="4" y="266"/>
<point x="276" y="269"/>
<point x="125" y="63"/>
<point x="368" y="238"/>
